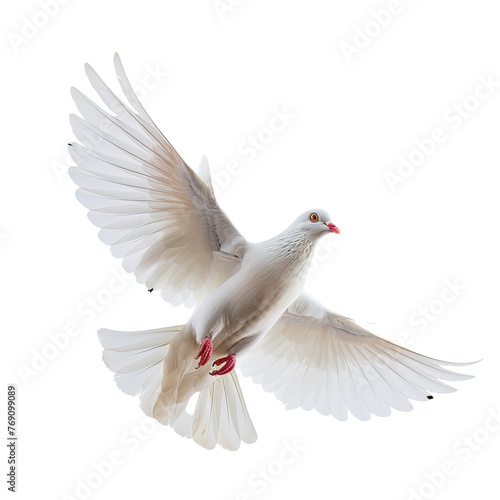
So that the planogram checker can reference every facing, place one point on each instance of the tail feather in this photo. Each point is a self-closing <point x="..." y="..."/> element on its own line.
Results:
<point x="220" y="416"/>
<point x="137" y="360"/>
<point x="158" y="362"/>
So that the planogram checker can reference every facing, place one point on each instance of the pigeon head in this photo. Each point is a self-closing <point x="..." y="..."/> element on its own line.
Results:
<point x="316" y="222"/>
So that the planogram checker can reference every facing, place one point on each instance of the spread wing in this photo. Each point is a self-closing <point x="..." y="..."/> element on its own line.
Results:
<point x="314" y="358"/>
<point x="153" y="210"/>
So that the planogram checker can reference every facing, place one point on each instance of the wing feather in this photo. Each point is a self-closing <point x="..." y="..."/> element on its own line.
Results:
<point x="154" y="212"/>
<point x="314" y="358"/>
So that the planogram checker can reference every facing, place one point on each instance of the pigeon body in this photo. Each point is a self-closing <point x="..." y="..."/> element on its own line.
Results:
<point x="164" y="221"/>
<point x="272" y="274"/>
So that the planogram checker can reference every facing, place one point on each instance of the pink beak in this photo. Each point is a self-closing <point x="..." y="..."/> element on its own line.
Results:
<point x="332" y="227"/>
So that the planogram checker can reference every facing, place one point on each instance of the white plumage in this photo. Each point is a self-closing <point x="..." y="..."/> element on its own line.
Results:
<point x="163" y="220"/>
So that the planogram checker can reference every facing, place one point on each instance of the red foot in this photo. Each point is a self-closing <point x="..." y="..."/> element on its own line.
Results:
<point x="205" y="351"/>
<point x="230" y="363"/>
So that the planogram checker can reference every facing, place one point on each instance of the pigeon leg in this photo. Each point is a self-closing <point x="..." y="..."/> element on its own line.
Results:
<point x="230" y="363"/>
<point x="205" y="351"/>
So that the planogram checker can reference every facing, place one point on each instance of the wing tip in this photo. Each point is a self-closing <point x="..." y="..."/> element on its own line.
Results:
<point x="118" y="64"/>
<point x="88" y="69"/>
<point x="467" y="363"/>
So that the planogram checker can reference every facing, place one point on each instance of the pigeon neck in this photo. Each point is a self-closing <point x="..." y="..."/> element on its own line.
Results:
<point x="292" y="244"/>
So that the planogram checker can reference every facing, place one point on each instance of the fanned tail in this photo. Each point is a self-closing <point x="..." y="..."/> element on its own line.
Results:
<point x="220" y="417"/>
<point x="137" y="360"/>
<point x="159" y="366"/>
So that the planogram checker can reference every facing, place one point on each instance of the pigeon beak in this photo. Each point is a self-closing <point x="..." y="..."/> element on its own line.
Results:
<point x="332" y="227"/>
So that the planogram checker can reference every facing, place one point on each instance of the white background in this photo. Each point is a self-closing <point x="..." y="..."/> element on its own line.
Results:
<point x="219" y="76"/>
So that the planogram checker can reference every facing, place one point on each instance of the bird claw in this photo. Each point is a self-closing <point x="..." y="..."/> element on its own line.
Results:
<point x="206" y="348"/>
<point x="230" y="363"/>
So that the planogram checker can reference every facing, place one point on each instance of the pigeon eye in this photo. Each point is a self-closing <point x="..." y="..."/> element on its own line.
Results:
<point x="314" y="217"/>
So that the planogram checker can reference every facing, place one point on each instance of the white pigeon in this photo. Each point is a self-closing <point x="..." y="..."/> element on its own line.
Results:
<point x="163" y="220"/>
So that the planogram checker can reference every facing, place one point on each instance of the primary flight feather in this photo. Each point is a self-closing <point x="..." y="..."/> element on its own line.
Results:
<point x="164" y="221"/>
